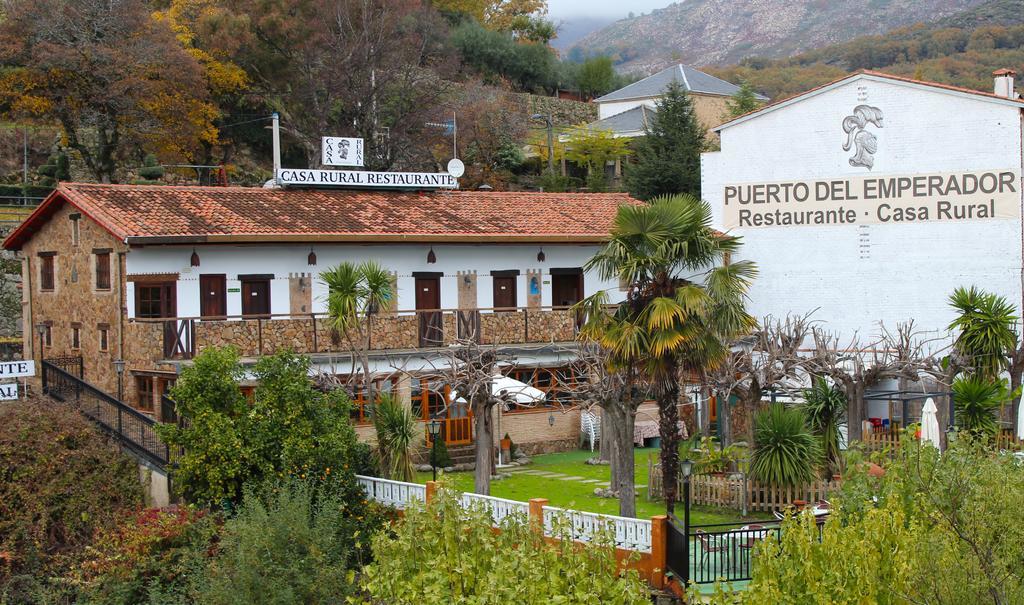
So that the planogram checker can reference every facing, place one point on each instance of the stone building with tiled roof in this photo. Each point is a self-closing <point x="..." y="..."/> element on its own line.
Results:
<point x="152" y="275"/>
<point x="625" y="111"/>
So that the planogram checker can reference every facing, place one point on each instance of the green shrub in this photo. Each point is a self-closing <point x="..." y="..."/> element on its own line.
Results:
<point x="445" y="554"/>
<point x="151" y="169"/>
<point x="552" y="182"/>
<point x="976" y="402"/>
<point x="147" y="559"/>
<point x="296" y="542"/>
<point x="61" y="480"/>
<point x="290" y="429"/>
<point x="397" y="432"/>
<point x="439" y="456"/>
<point x="785" y="450"/>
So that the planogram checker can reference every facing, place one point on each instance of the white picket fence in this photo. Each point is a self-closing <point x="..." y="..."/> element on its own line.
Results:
<point x="397" y="494"/>
<point x="629" y="534"/>
<point x="499" y="508"/>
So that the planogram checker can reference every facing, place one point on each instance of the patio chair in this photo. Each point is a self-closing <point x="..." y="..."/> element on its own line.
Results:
<point x="708" y="546"/>
<point x="749" y="540"/>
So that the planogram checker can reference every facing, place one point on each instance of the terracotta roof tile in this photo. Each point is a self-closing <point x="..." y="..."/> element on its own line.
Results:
<point x="160" y="213"/>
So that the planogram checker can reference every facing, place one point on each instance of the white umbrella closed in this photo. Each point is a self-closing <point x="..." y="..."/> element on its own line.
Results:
<point x="930" y="424"/>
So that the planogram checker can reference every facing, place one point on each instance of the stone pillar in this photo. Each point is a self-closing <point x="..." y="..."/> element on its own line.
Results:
<point x="467" y="290"/>
<point x="659" y="545"/>
<point x="394" y="293"/>
<point x="534" y="287"/>
<point x="300" y="294"/>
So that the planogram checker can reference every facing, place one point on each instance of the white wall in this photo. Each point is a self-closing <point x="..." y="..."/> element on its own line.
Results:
<point x="857" y="275"/>
<point x="609" y="109"/>
<point x="282" y="260"/>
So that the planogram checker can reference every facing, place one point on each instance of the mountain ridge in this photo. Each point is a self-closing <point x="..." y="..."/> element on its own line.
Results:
<point x="721" y="32"/>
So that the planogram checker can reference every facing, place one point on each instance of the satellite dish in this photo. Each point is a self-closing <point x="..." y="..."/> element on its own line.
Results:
<point x="456" y="168"/>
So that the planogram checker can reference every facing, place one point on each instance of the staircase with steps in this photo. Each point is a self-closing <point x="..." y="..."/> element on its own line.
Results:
<point x="460" y="454"/>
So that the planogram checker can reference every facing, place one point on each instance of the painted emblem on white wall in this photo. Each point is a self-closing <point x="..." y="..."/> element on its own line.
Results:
<point x="859" y="138"/>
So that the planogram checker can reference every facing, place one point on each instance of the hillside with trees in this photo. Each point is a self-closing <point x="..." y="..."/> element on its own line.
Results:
<point x="721" y="32"/>
<point x="962" y="50"/>
<point x="182" y="90"/>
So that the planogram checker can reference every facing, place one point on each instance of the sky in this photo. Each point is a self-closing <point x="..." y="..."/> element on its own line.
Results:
<point x="564" y="9"/>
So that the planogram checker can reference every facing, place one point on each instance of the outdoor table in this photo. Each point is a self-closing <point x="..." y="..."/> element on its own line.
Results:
<point x="735" y="536"/>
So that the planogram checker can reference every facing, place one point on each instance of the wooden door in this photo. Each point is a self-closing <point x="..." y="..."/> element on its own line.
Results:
<point x="428" y="304"/>
<point x="566" y="288"/>
<point x="213" y="303"/>
<point x="505" y="293"/>
<point x="256" y="298"/>
<point x="458" y="426"/>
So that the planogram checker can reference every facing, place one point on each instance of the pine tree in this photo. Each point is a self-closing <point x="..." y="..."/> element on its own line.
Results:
<point x="668" y="156"/>
<point x="744" y="101"/>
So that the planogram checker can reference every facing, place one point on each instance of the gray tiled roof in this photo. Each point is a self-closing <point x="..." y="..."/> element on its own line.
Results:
<point x="632" y="120"/>
<point x="691" y="79"/>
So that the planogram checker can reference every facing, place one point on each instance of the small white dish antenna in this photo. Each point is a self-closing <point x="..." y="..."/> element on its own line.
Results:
<point x="456" y="168"/>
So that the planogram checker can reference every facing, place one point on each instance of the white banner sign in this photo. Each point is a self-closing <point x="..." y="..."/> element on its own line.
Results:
<point x="361" y="178"/>
<point x="958" y="196"/>
<point x="342" y="151"/>
<point x="17" y="369"/>
<point x="8" y="391"/>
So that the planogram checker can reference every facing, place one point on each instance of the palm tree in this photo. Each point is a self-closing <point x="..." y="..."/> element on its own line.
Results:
<point x="985" y="322"/>
<point x="785" y="451"/>
<point x="355" y="293"/>
<point x="825" y="407"/>
<point x="988" y="339"/>
<point x="396" y="430"/>
<point x="682" y="308"/>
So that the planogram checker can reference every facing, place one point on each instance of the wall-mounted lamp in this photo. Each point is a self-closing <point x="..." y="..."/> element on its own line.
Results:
<point x="540" y="255"/>
<point x="311" y="259"/>
<point x="551" y="419"/>
<point x="431" y="257"/>
<point x="195" y="258"/>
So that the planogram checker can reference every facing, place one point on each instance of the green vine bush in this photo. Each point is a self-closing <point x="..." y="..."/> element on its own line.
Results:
<point x="442" y="553"/>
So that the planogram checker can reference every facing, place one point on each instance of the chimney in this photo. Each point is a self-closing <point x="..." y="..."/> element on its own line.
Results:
<point x="1004" y="83"/>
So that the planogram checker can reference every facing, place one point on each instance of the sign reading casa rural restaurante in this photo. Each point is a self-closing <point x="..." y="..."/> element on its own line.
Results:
<point x="362" y="178"/>
<point x="976" y="195"/>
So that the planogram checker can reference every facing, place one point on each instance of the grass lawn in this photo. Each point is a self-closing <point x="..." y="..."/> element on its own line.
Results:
<point x="574" y="493"/>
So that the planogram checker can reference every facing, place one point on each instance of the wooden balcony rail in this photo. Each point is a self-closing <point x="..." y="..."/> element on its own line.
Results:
<point x="183" y="337"/>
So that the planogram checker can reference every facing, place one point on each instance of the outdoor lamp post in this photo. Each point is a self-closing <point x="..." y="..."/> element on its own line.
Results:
<point x="687" y="468"/>
<point x="551" y="139"/>
<point x="434" y="428"/>
<point x="119" y="368"/>
<point x="41" y="331"/>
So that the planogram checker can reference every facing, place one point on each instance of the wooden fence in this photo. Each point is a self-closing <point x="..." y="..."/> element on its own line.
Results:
<point x="732" y="491"/>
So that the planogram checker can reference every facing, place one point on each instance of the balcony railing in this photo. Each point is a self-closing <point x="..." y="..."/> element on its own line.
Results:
<point x="183" y="337"/>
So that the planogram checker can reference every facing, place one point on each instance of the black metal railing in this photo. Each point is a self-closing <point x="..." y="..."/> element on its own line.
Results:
<point x="132" y="429"/>
<point x="722" y="552"/>
<point x="73" y="365"/>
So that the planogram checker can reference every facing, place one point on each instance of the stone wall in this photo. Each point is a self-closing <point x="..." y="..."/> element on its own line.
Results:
<point x="75" y="300"/>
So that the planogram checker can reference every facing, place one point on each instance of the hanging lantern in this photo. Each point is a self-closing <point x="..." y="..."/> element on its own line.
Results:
<point x="195" y="258"/>
<point x="311" y="259"/>
<point x="431" y="257"/>
<point x="540" y="255"/>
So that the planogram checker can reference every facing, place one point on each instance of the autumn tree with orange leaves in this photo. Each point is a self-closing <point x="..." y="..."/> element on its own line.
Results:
<point x="114" y="79"/>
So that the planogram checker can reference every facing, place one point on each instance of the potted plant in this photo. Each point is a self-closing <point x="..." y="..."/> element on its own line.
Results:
<point x="506" y="448"/>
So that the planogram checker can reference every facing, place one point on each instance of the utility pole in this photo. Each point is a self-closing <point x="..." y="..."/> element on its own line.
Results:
<point x="276" y="130"/>
<point x="24" y="151"/>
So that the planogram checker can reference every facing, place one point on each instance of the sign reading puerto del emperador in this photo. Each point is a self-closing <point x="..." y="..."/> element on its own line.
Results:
<point x="958" y="196"/>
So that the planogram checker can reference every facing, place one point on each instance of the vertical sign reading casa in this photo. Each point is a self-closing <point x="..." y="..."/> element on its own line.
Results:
<point x="342" y="151"/>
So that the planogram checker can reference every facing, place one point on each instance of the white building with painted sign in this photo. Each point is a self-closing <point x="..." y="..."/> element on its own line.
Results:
<point x="872" y="198"/>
